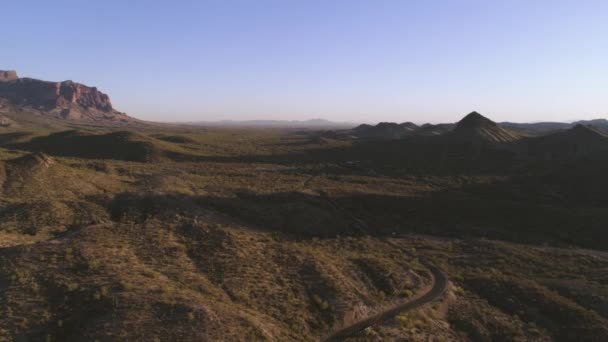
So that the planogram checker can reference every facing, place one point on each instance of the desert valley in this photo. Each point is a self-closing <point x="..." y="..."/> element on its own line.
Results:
<point x="114" y="228"/>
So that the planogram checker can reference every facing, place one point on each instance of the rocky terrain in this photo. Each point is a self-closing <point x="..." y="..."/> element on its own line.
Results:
<point x="8" y="75"/>
<point x="159" y="233"/>
<point x="65" y="100"/>
<point x="477" y="127"/>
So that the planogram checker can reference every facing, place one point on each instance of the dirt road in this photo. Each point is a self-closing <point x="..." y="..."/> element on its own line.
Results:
<point x="440" y="283"/>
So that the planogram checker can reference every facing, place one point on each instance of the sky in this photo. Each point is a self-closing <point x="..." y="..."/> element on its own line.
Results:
<point x="343" y="60"/>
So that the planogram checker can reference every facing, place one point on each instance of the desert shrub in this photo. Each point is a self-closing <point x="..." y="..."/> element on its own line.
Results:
<point x="320" y="302"/>
<point x="407" y="293"/>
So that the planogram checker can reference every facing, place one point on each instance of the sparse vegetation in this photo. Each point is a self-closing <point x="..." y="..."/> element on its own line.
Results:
<point x="181" y="233"/>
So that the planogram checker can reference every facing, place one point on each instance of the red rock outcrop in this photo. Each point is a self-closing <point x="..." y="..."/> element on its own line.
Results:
<point x="8" y="75"/>
<point x="68" y="100"/>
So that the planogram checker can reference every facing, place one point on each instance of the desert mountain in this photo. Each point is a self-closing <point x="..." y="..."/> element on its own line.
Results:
<point x="64" y="100"/>
<point x="409" y="126"/>
<point x="432" y="130"/>
<point x="577" y="141"/>
<point x="475" y="126"/>
<point x="548" y="127"/>
<point x="385" y="130"/>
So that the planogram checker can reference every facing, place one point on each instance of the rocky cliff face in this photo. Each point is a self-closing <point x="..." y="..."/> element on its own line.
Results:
<point x="68" y="100"/>
<point x="8" y="75"/>
<point x="52" y="95"/>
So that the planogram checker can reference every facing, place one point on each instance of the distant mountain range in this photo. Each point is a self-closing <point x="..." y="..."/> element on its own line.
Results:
<point x="472" y="125"/>
<point x="575" y="141"/>
<point x="540" y="140"/>
<point x="312" y="123"/>
<point x="73" y="101"/>
<point x="392" y="130"/>
<point x="543" y="127"/>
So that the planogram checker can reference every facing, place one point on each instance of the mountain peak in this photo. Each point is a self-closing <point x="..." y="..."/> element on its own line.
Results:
<point x="475" y="119"/>
<point x="477" y="127"/>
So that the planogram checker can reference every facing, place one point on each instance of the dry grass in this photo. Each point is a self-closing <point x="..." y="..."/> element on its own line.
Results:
<point x="271" y="235"/>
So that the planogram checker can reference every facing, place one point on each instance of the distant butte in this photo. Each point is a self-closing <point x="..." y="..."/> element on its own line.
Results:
<point x="8" y="75"/>
<point x="65" y="100"/>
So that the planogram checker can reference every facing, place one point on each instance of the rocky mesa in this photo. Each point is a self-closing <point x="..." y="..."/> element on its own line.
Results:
<point x="65" y="100"/>
<point x="8" y="75"/>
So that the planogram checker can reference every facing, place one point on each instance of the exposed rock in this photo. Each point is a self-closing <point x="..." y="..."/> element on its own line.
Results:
<point x="52" y="95"/>
<point x="66" y="100"/>
<point x="8" y="75"/>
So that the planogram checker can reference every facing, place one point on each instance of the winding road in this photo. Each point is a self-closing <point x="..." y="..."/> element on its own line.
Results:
<point x="440" y="283"/>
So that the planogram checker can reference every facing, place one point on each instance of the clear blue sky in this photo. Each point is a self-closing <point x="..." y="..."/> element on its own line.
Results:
<point x="344" y="60"/>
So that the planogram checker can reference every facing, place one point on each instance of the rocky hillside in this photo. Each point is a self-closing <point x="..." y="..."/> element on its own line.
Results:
<point x="574" y="142"/>
<point x="65" y="100"/>
<point x="474" y="127"/>
<point x="385" y="130"/>
<point x="477" y="127"/>
<point x="265" y="235"/>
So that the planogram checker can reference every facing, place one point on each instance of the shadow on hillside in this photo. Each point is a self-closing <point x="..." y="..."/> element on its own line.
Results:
<point x="579" y="183"/>
<point x="12" y="137"/>
<point x="414" y="156"/>
<point x="120" y="145"/>
<point x="448" y="213"/>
